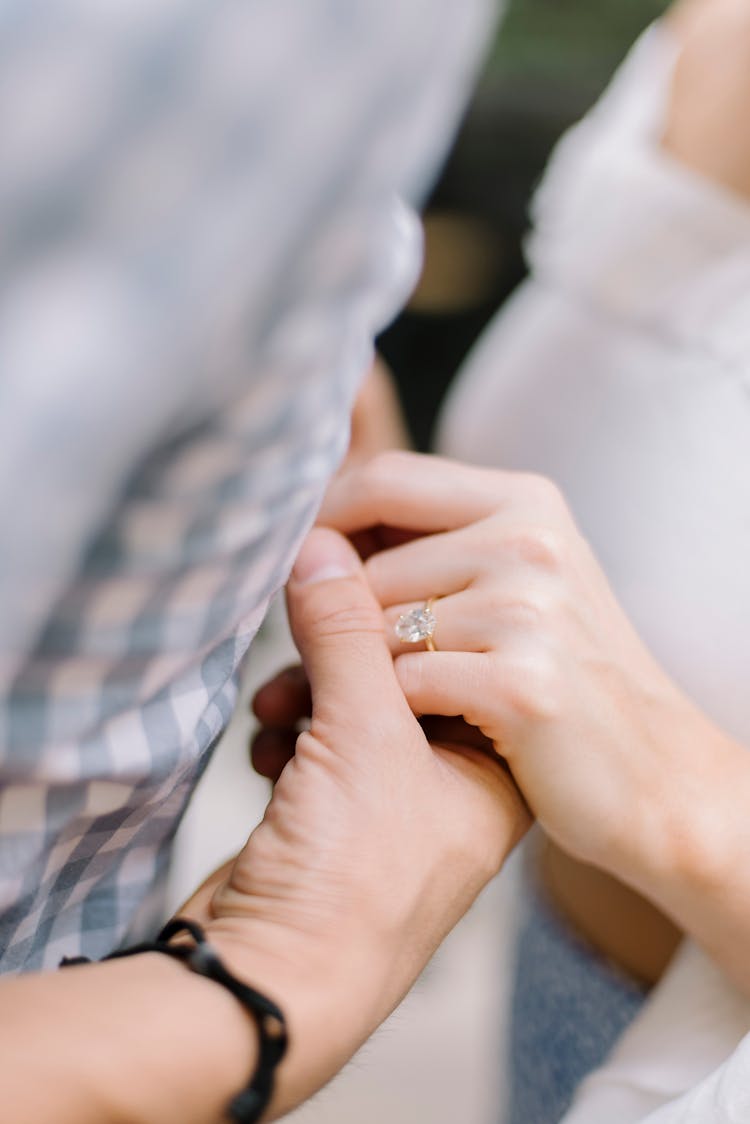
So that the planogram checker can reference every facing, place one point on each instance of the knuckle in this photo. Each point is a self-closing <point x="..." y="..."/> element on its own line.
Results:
<point x="348" y="620"/>
<point x="495" y="604"/>
<point x="501" y="609"/>
<point x="328" y="613"/>
<point x="528" y="611"/>
<point x="540" y="545"/>
<point x="542" y="490"/>
<point x="533" y="687"/>
<point x="533" y="606"/>
<point x="384" y="470"/>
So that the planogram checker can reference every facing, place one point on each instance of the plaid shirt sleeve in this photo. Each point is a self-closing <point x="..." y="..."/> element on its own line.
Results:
<point x="199" y="236"/>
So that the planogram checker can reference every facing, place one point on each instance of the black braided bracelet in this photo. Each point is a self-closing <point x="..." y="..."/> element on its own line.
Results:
<point x="248" y="1106"/>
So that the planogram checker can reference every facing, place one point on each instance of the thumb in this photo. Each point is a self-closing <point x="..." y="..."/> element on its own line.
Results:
<point x="338" y="628"/>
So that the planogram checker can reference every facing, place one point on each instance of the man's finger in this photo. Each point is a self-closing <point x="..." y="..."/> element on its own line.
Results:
<point x="338" y="627"/>
<point x="271" y="750"/>
<point x="285" y="699"/>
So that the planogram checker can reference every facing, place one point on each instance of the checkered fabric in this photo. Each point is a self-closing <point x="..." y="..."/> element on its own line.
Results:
<point x="199" y="236"/>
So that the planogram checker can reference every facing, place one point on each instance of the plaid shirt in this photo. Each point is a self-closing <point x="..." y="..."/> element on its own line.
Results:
<point x="199" y="236"/>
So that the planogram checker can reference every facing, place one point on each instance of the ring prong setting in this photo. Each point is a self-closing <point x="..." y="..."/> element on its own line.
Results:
<point x="416" y="626"/>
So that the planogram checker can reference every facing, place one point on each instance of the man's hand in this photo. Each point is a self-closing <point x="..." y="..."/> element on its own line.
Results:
<point x="375" y="841"/>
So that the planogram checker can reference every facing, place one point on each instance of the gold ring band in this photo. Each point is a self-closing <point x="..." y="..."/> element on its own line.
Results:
<point x="429" y="643"/>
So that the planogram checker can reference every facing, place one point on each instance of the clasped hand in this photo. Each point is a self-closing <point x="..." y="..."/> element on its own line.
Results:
<point x="533" y="650"/>
<point x="375" y="842"/>
<point x="378" y="839"/>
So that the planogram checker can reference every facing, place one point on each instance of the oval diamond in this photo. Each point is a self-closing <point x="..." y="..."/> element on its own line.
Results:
<point x="416" y="625"/>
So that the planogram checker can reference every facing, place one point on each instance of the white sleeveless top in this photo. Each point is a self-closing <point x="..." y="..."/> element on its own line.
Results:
<point x="622" y="370"/>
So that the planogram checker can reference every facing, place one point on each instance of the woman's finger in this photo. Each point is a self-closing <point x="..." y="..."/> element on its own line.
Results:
<point x="423" y="494"/>
<point x="473" y="620"/>
<point x="450" y="684"/>
<point x="522" y="549"/>
<point x="434" y="566"/>
<point x="497" y="693"/>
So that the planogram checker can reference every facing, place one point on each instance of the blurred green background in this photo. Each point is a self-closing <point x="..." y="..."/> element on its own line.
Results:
<point x="550" y="61"/>
<point x="575" y="42"/>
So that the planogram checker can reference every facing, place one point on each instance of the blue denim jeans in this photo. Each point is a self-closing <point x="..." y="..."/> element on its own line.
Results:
<point x="569" y="1008"/>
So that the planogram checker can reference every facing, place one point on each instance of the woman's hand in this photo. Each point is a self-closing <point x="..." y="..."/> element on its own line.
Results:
<point x="375" y="841"/>
<point x="532" y="648"/>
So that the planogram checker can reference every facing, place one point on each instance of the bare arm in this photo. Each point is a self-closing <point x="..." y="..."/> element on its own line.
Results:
<point x="373" y="846"/>
<point x="707" y="127"/>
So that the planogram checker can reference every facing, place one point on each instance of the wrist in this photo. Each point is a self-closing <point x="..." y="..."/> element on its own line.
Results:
<point x="694" y="867"/>
<point x="331" y="990"/>
<point x="167" y="1043"/>
<point x="695" y="825"/>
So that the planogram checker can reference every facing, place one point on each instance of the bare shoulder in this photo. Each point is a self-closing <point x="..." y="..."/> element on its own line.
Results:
<point x="707" y="124"/>
<point x="691" y="18"/>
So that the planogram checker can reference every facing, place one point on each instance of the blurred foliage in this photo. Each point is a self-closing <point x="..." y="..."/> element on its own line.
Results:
<point x="568" y="40"/>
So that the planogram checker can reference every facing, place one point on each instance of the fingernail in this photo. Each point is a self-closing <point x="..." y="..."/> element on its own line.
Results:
<point x="324" y="556"/>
